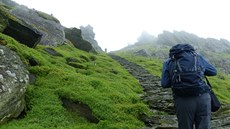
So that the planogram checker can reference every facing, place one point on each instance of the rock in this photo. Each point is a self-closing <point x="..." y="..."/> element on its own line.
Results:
<point x="79" y="109"/>
<point x="89" y="35"/>
<point x="146" y="37"/>
<point x="52" y="32"/>
<point x="75" y="36"/>
<point x="143" y="52"/>
<point x="22" y="33"/>
<point x="18" y="29"/>
<point x="9" y="2"/>
<point x="157" y="98"/>
<point x="52" y="52"/>
<point x="13" y="80"/>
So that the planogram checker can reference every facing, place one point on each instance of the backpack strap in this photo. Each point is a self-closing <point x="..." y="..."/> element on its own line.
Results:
<point x="180" y="70"/>
<point x="208" y="82"/>
<point x="178" y="65"/>
<point x="173" y="70"/>
<point x="195" y="64"/>
<point x="195" y="60"/>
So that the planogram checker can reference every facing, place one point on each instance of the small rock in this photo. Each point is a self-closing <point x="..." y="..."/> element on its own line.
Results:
<point x="1" y="52"/>
<point x="11" y="74"/>
<point x="1" y="77"/>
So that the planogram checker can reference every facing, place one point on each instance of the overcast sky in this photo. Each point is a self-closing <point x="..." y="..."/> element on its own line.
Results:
<point x="118" y="23"/>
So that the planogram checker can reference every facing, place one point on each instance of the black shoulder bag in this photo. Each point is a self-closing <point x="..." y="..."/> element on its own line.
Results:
<point x="215" y="103"/>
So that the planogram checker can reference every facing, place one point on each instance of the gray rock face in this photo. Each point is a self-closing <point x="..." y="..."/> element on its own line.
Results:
<point x="13" y="80"/>
<point x="52" y="31"/>
<point x="75" y="36"/>
<point x="89" y="35"/>
<point x="50" y="28"/>
<point x="22" y="33"/>
<point x="16" y="28"/>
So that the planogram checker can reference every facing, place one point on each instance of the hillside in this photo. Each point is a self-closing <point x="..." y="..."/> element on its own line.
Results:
<point x="73" y="78"/>
<point x="59" y="78"/>
<point x="216" y="51"/>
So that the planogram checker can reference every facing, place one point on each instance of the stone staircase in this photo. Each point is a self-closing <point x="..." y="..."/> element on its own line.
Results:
<point x="160" y="100"/>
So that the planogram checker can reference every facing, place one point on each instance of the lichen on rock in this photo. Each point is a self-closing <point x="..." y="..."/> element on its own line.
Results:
<point x="13" y="81"/>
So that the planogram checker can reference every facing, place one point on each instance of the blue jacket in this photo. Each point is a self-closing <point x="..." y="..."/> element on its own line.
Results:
<point x="207" y="68"/>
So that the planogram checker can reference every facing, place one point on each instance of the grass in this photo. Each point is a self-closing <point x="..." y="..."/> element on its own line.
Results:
<point x="112" y="96"/>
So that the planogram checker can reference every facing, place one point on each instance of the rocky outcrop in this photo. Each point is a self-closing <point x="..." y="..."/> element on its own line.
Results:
<point x="209" y="44"/>
<point x="22" y="33"/>
<point x="89" y="35"/>
<point x="75" y="36"/>
<point x="17" y="29"/>
<point x="13" y="80"/>
<point x="32" y="27"/>
<point x="160" y="100"/>
<point x="143" y="52"/>
<point x="146" y="37"/>
<point x="50" y="30"/>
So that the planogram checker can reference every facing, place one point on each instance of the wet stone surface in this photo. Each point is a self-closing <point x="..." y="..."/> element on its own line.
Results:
<point x="13" y="81"/>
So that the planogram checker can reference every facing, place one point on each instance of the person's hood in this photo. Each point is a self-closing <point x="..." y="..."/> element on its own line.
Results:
<point x="179" y="48"/>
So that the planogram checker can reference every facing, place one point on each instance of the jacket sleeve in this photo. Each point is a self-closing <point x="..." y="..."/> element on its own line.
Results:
<point x="210" y="70"/>
<point x="165" y="79"/>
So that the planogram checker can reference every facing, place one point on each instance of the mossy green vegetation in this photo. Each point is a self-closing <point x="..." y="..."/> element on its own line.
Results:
<point x="112" y="96"/>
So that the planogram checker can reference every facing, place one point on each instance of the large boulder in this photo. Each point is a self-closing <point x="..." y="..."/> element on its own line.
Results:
<point x="52" y="32"/>
<point x="89" y="35"/>
<point x="75" y="36"/>
<point x="13" y="81"/>
<point x="18" y="29"/>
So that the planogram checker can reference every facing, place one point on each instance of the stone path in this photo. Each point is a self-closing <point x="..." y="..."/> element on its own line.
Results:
<point x="160" y="100"/>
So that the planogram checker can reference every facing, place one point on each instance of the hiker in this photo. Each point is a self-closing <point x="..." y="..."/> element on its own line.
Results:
<point x="183" y="71"/>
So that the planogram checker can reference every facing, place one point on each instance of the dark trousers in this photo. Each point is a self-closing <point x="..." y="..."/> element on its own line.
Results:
<point x="194" y="112"/>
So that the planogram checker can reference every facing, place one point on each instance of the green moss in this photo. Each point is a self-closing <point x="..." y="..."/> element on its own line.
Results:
<point x="93" y="58"/>
<point x="77" y="65"/>
<point x="5" y="12"/>
<point x="113" y="98"/>
<point x="72" y="59"/>
<point x="85" y="58"/>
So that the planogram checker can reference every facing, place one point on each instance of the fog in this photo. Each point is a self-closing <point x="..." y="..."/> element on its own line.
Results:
<point x="118" y="23"/>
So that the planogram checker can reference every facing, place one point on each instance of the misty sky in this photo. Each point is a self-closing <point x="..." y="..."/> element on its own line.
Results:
<point x="118" y="23"/>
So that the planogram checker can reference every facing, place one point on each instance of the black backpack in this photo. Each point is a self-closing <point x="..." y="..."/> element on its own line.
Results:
<point x="186" y="74"/>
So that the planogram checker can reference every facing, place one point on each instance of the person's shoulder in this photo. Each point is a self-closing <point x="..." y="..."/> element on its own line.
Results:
<point x="202" y="60"/>
<point x="168" y="61"/>
<point x="200" y="57"/>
